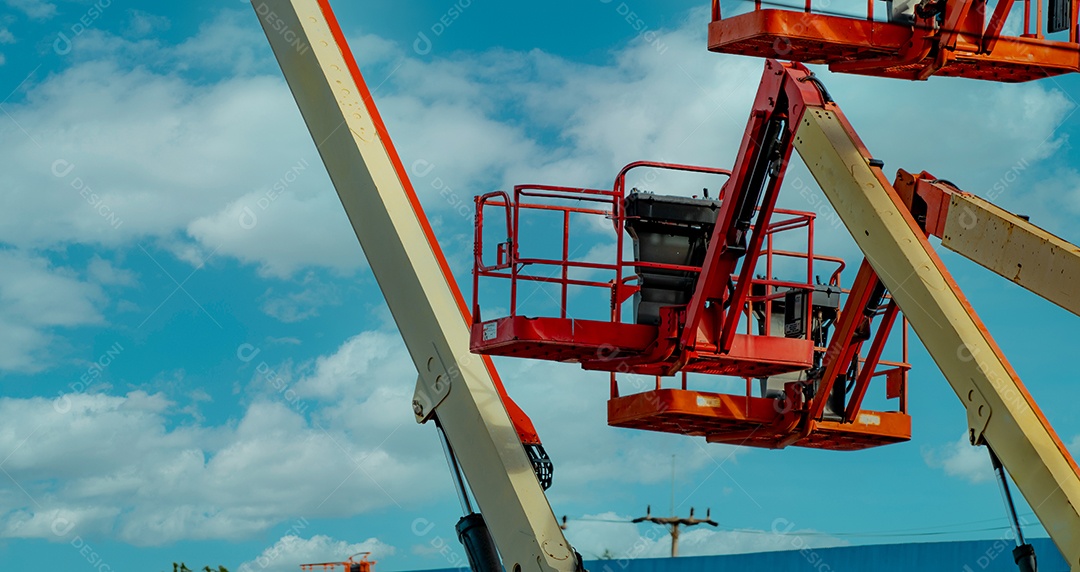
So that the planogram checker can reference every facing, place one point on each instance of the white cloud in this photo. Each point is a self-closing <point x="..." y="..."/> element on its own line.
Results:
<point x="287" y="554"/>
<point x="300" y="305"/>
<point x="142" y="23"/>
<point x="159" y="481"/>
<point x="960" y="459"/>
<point x="271" y="237"/>
<point x="158" y="153"/>
<point x="231" y="42"/>
<point x="172" y="159"/>
<point x="165" y="153"/>
<point x="35" y="9"/>
<point x="371" y="355"/>
<point x="36" y="299"/>
<point x="6" y="37"/>
<point x="104" y="272"/>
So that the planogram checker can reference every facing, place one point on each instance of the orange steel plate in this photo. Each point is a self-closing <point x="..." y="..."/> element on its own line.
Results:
<point x="748" y="421"/>
<point x="607" y="346"/>
<point x="825" y="39"/>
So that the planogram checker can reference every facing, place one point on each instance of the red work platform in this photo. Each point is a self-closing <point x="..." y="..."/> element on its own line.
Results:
<point x="751" y="421"/>
<point x="788" y="339"/>
<point x="960" y="42"/>
<point x="589" y="343"/>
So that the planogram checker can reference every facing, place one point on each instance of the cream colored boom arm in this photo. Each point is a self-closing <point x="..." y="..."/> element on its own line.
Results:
<point x="415" y="280"/>
<point x="1000" y="410"/>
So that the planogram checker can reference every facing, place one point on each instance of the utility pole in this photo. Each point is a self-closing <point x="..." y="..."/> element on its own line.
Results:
<point x="673" y="523"/>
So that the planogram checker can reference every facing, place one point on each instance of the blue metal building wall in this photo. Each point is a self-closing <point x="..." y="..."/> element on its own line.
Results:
<point x="972" y="556"/>
<point x="975" y="556"/>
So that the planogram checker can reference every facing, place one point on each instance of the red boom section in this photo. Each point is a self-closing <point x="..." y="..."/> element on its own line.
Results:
<point x="961" y="38"/>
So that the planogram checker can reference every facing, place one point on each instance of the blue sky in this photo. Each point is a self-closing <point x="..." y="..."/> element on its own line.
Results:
<point x="180" y="386"/>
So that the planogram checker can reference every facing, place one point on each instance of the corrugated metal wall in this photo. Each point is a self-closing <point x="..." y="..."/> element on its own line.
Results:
<point x="978" y="556"/>
<point x="974" y="556"/>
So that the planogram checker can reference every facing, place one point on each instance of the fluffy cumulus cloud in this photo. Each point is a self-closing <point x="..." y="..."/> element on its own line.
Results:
<point x="157" y="153"/>
<point x="6" y="37"/>
<point x="959" y="459"/>
<point x="160" y="481"/>
<point x="38" y="299"/>
<point x="287" y="554"/>
<point x="227" y="166"/>
<point x="259" y="228"/>
<point x="194" y="166"/>
<point x="36" y="9"/>
<point x="313" y="295"/>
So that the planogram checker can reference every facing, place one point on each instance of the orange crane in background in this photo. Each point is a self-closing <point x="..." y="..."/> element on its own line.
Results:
<point x="705" y="292"/>
<point x="350" y="565"/>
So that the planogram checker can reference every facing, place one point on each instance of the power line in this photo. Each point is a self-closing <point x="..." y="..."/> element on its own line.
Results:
<point x="897" y="533"/>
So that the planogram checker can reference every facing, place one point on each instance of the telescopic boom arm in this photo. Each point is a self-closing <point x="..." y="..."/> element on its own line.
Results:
<point x="1001" y="412"/>
<point x="461" y="390"/>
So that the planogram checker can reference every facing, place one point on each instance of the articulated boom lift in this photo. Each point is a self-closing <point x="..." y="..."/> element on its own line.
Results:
<point x="813" y="376"/>
<point x="700" y="295"/>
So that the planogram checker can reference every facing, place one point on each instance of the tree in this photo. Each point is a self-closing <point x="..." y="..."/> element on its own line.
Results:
<point x="181" y="567"/>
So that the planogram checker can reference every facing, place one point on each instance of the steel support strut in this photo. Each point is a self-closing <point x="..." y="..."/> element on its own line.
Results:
<point x="461" y="389"/>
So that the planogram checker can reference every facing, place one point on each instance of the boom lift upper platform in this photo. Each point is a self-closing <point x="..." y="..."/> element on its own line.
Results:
<point x="912" y="39"/>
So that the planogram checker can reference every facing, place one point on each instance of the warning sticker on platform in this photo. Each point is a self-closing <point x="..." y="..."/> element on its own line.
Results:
<point x="703" y="401"/>
<point x="869" y="419"/>
<point x="491" y="330"/>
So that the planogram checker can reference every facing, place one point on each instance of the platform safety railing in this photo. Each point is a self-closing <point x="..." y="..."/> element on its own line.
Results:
<point x="1034" y="13"/>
